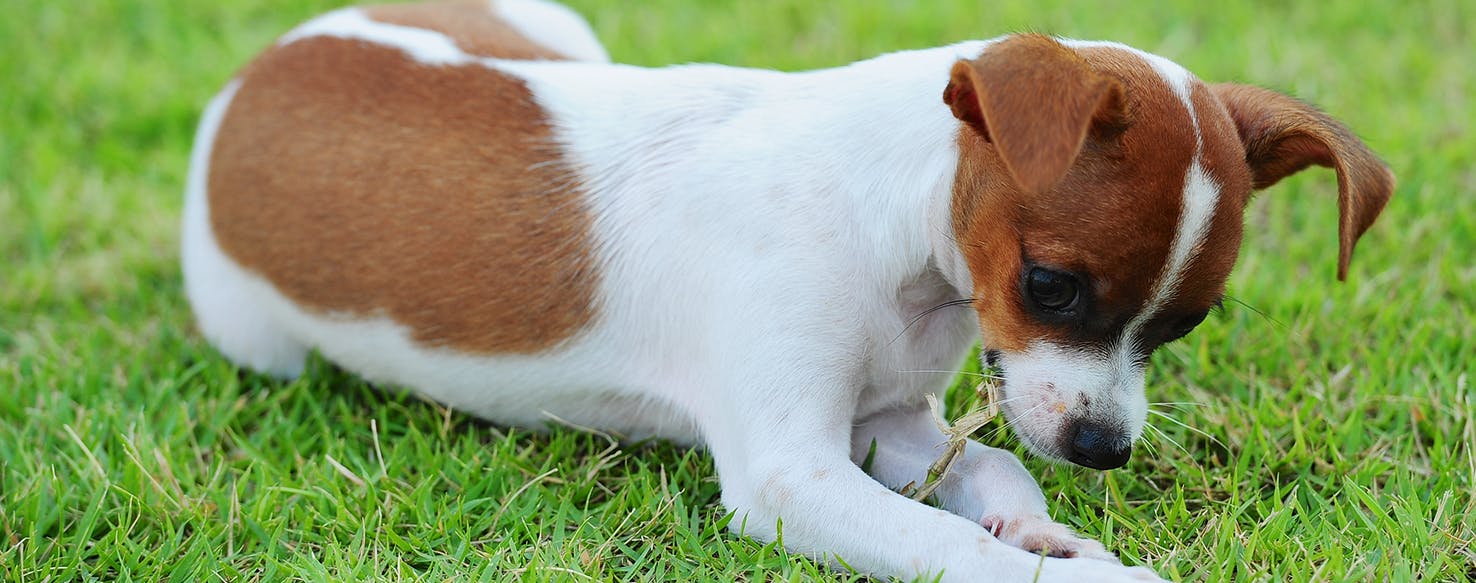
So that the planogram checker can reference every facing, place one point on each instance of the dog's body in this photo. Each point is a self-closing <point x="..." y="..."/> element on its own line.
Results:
<point x="433" y="196"/>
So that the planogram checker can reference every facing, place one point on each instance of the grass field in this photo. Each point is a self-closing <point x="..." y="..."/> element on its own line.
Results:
<point x="1330" y="437"/>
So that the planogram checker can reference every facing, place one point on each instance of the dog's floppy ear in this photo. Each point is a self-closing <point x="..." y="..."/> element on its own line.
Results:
<point x="1035" y="100"/>
<point x="1282" y="136"/>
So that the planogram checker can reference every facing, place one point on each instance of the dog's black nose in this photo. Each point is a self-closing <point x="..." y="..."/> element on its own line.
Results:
<point x="1099" y="447"/>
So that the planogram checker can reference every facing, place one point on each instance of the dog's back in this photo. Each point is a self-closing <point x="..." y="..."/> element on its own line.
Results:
<point x="320" y="168"/>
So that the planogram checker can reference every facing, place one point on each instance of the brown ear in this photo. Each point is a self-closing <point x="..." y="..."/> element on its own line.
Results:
<point x="1035" y="100"/>
<point x="1282" y="136"/>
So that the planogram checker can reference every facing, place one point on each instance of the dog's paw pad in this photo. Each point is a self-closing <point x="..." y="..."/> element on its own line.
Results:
<point x="1043" y="536"/>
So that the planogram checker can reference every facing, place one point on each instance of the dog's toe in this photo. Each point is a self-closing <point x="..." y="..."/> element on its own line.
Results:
<point x="1041" y="535"/>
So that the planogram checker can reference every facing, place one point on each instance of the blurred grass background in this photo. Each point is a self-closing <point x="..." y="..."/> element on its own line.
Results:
<point x="1330" y="440"/>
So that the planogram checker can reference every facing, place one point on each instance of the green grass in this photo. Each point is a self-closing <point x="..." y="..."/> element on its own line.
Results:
<point x="1332" y="441"/>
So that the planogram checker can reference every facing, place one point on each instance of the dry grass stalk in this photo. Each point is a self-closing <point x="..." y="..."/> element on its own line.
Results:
<point x="958" y="434"/>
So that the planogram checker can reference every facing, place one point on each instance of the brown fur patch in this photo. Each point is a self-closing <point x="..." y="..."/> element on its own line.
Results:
<point x="471" y="25"/>
<point x="363" y="183"/>
<point x="1282" y="136"/>
<point x="1111" y="218"/>
<point x="1035" y="100"/>
<point x="1203" y="280"/>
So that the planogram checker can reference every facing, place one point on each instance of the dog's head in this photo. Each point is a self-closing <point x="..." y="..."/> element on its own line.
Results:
<point x="1098" y="206"/>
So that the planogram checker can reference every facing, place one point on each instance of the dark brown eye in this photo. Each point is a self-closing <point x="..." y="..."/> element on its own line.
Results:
<point x="1185" y="325"/>
<point x="1052" y="290"/>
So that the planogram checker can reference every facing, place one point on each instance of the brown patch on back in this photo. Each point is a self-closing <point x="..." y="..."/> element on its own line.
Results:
<point x="1111" y="218"/>
<point x="361" y="182"/>
<point x="471" y="25"/>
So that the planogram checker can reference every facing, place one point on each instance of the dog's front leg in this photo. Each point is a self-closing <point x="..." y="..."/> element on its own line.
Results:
<point x="781" y="439"/>
<point x="984" y="484"/>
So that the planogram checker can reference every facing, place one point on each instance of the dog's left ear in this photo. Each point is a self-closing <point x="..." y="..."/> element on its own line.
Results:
<point x="1282" y="136"/>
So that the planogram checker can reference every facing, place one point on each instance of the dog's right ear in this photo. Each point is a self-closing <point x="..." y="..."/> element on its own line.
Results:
<point x="1282" y="136"/>
<point x="1035" y="100"/>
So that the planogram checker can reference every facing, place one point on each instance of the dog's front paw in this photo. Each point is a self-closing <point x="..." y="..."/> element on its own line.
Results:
<point x="1039" y="534"/>
<point x="1077" y="570"/>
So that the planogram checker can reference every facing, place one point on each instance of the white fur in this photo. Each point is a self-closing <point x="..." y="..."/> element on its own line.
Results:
<point x="1200" y="195"/>
<point x="431" y="48"/>
<point x="553" y="25"/>
<point x="765" y="240"/>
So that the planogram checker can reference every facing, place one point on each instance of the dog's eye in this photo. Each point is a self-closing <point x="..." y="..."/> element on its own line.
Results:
<point x="1052" y="290"/>
<point x="1185" y="325"/>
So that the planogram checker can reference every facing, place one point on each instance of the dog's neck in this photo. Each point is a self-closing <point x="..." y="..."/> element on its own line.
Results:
<point x="870" y="147"/>
<point x="890" y="144"/>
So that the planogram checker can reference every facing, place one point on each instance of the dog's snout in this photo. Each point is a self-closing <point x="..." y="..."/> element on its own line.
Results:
<point x="1099" y="446"/>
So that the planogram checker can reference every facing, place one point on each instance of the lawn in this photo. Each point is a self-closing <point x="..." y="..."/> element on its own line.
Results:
<point x="1314" y="431"/>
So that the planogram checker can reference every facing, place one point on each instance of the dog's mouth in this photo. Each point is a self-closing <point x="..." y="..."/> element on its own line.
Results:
<point x="1066" y="439"/>
<point x="1029" y="423"/>
<point x="1062" y="437"/>
<point x="994" y="365"/>
<point x="1058" y="424"/>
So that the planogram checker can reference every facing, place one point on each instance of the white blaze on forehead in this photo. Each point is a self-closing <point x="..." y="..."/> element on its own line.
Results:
<point x="1200" y="195"/>
<point x="1199" y="199"/>
<point x="1197" y="209"/>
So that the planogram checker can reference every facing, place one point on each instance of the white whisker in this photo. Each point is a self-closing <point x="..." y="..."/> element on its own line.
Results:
<point x="1009" y="400"/>
<point x="1165" y="437"/>
<point x="1023" y="416"/>
<point x="993" y="432"/>
<point x="1148" y="443"/>
<point x="959" y="372"/>
<point x="1178" y="404"/>
<point x="1182" y="424"/>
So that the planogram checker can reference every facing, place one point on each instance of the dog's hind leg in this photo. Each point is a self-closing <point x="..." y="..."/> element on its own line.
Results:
<point x="220" y="291"/>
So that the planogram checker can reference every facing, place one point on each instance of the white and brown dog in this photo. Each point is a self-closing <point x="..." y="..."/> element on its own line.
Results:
<point x="470" y="201"/>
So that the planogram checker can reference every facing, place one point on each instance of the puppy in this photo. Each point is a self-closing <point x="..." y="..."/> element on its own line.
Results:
<point x="468" y="200"/>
